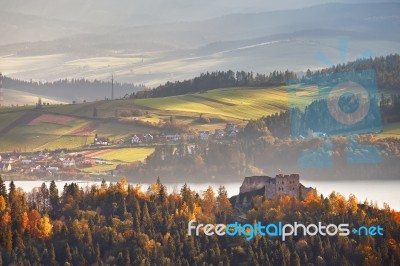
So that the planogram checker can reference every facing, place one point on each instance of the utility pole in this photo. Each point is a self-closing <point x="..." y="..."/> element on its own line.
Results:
<point x="112" y="87"/>
<point x="1" y="90"/>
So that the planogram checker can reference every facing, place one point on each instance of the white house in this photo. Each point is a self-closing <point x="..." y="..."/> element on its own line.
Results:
<point x="136" y="139"/>
<point x="5" y="167"/>
<point x="148" y="137"/>
<point x="68" y="162"/>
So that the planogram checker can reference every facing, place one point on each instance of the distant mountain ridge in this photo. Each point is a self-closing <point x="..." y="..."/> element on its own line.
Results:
<point x="364" y="17"/>
<point x="152" y="54"/>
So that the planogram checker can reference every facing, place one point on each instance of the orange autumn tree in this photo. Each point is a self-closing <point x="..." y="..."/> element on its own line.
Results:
<point x="39" y="226"/>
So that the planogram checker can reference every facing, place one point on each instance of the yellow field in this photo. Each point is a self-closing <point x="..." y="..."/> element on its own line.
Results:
<point x="118" y="156"/>
<point x="392" y="130"/>
<point x="236" y="103"/>
<point x="126" y="155"/>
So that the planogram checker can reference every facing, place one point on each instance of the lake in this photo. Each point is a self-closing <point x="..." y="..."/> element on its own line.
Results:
<point x="379" y="191"/>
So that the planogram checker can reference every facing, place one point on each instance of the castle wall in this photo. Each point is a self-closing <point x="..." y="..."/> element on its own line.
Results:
<point x="254" y="183"/>
<point x="287" y="185"/>
<point x="270" y="191"/>
<point x="270" y="187"/>
<point x="306" y="190"/>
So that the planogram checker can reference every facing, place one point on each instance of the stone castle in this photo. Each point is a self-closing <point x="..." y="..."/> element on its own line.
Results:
<point x="270" y="187"/>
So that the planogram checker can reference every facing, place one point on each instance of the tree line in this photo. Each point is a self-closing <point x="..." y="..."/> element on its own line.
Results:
<point x="386" y="68"/>
<point x="218" y="79"/>
<point x="206" y="161"/>
<point x="121" y="224"/>
<point x="316" y="117"/>
<point x="76" y="89"/>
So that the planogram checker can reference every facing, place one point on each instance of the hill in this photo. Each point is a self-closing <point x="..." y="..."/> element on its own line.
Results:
<point x="73" y="125"/>
<point x="27" y="128"/>
<point x="154" y="54"/>
<point x="17" y="97"/>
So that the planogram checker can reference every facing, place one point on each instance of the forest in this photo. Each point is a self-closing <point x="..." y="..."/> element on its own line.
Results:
<point x="214" y="80"/>
<point x="387" y="71"/>
<point x="267" y="144"/>
<point x="77" y="89"/>
<point x="316" y="118"/>
<point x="121" y="224"/>
<point x="206" y="161"/>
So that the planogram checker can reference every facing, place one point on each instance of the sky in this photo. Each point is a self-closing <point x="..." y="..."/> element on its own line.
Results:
<point x="139" y="12"/>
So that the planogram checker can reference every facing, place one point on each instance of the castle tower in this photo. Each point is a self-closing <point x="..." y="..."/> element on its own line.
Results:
<point x="287" y="184"/>
<point x="1" y="90"/>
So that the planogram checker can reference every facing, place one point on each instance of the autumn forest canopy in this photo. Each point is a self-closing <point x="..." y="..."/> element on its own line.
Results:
<point x="122" y="224"/>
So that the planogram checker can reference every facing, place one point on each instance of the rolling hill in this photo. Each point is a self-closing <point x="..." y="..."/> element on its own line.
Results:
<point x="74" y="126"/>
<point x="17" y="97"/>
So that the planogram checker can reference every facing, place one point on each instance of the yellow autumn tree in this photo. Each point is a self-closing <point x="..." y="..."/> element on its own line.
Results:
<point x="353" y="204"/>
<point x="44" y="227"/>
<point x="2" y="204"/>
<point x="122" y="186"/>
<point x="208" y="205"/>
<point x="338" y="203"/>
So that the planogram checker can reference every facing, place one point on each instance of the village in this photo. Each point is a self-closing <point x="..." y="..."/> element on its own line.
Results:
<point x="67" y="164"/>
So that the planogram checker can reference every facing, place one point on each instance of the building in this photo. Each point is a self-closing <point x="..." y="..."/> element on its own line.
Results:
<point x="319" y="135"/>
<point x="136" y="139"/>
<point x="175" y="137"/>
<point x="204" y="135"/>
<point x="148" y="137"/>
<point x="231" y="130"/>
<point x="101" y="141"/>
<point x="5" y="167"/>
<point x="219" y="134"/>
<point x="68" y="162"/>
<point x="270" y="187"/>
<point x="52" y="169"/>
